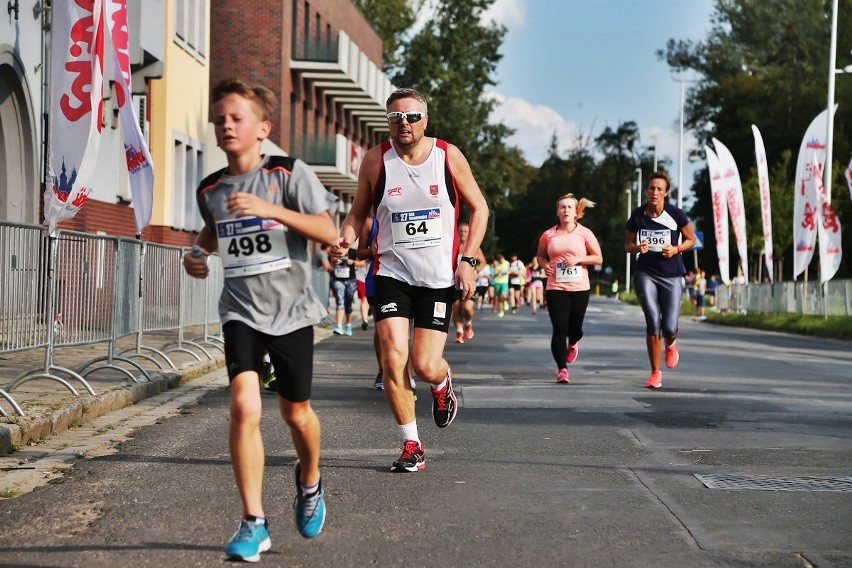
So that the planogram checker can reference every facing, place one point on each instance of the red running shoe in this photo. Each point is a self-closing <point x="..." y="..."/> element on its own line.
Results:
<point x="672" y="355"/>
<point x="562" y="376"/>
<point x="573" y="351"/>
<point x="468" y="330"/>
<point x="655" y="381"/>
<point x="444" y="403"/>
<point x="413" y="458"/>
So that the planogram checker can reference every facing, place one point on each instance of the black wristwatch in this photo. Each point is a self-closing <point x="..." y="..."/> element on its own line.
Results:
<point x="471" y="260"/>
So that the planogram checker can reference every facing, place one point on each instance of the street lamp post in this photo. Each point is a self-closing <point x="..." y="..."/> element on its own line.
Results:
<point x="638" y="186"/>
<point x="829" y="137"/>
<point x="629" y="193"/>
<point x="655" y="154"/>
<point x="680" y="80"/>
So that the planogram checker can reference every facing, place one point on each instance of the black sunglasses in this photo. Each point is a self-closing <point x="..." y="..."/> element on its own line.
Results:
<point x="411" y="117"/>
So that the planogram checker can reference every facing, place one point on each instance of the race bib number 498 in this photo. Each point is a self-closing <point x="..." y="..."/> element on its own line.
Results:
<point x="251" y="245"/>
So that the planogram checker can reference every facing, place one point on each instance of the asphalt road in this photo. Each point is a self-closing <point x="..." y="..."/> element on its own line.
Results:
<point x="601" y="472"/>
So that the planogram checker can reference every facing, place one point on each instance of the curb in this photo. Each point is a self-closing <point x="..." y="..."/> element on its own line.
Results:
<point x="87" y="407"/>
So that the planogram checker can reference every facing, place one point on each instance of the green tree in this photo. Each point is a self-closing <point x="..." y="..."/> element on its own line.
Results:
<point x="392" y="20"/>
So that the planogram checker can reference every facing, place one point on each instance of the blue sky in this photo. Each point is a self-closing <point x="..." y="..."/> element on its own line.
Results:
<point x="578" y="66"/>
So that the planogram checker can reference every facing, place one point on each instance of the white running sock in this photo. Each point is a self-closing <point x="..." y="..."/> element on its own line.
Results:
<point x="409" y="431"/>
<point x="441" y="386"/>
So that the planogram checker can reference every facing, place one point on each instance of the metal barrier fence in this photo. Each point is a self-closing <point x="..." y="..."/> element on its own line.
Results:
<point x="74" y="289"/>
<point x="834" y="298"/>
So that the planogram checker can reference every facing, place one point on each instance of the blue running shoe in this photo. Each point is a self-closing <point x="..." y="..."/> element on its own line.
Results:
<point x="248" y="542"/>
<point x="310" y="509"/>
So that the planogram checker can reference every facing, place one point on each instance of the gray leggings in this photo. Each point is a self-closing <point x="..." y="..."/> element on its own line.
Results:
<point x="660" y="301"/>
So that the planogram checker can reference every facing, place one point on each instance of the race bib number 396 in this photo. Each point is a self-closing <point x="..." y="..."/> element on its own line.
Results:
<point x="657" y="239"/>
<point x="251" y="245"/>
<point x="417" y="229"/>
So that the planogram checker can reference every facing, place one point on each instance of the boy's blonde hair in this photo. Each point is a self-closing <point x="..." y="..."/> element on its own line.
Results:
<point x="582" y="204"/>
<point x="264" y="100"/>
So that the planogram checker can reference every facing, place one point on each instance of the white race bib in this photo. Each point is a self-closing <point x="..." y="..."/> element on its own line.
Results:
<point x="657" y="239"/>
<point x="565" y="273"/>
<point x="251" y="245"/>
<point x="417" y="229"/>
<point x="341" y="270"/>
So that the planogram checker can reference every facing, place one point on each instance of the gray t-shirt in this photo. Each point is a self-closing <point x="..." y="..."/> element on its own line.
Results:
<point x="279" y="301"/>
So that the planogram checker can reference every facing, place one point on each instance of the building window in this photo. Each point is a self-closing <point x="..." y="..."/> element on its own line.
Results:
<point x="187" y="171"/>
<point x="191" y="27"/>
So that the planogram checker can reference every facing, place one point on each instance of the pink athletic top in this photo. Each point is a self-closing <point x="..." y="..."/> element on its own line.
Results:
<point x="568" y="276"/>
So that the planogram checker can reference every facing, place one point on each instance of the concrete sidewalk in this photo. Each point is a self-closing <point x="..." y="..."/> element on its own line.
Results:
<point x="51" y="408"/>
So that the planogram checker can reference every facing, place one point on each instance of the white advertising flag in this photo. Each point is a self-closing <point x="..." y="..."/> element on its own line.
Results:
<point x="849" y="177"/>
<point x="736" y="207"/>
<point x="828" y="229"/>
<point x="809" y="164"/>
<point x="76" y="103"/>
<point x="720" y="214"/>
<point x="139" y="164"/>
<point x="765" y="202"/>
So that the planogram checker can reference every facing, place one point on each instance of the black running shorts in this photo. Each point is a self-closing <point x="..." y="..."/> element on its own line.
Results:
<point x="429" y="307"/>
<point x="292" y="356"/>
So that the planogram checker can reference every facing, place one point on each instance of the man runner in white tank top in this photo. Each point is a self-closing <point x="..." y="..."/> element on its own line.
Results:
<point x="414" y="185"/>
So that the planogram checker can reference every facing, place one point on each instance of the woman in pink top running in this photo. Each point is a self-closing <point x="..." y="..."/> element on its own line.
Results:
<point x="565" y="251"/>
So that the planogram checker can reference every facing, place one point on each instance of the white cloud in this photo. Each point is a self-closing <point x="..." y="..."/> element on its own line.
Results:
<point x="534" y="127"/>
<point x="510" y="13"/>
<point x="535" y="124"/>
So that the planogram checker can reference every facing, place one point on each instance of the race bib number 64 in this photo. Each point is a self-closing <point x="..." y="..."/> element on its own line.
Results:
<point x="417" y="229"/>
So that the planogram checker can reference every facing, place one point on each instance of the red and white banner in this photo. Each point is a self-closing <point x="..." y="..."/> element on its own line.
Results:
<point x="76" y="103"/>
<point x="765" y="202"/>
<point x="733" y="189"/>
<point x="828" y="230"/>
<point x="805" y="202"/>
<point x="849" y="178"/>
<point x="139" y="165"/>
<point x="720" y="214"/>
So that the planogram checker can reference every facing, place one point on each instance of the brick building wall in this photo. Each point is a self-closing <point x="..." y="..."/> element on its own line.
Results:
<point x="253" y="41"/>
<point x="118" y="220"/>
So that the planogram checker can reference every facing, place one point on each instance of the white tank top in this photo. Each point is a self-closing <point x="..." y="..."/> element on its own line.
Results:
<point x="416" y="211"/>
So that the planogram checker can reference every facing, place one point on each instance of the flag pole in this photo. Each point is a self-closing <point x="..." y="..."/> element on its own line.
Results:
<point x="829" y="136"/>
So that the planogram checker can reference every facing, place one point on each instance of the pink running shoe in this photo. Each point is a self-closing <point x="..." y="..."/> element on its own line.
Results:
<point x="468" y="330"/>
<point x="459" y="337"/>
<point x="672" y="355"/>
<point x="655" y="381"/>
<point x="573" y="351"/>
<point x="562" y="376"/>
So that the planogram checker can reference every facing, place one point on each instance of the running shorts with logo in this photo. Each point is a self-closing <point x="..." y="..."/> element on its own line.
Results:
<point x="429" y="307"/>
